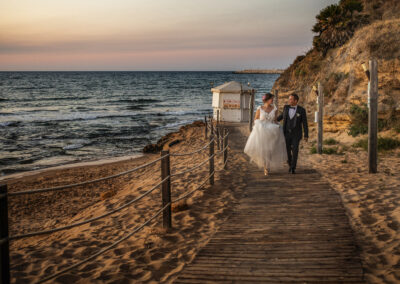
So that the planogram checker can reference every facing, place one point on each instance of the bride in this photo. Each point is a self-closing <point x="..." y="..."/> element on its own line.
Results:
<point x="266" y="144"/>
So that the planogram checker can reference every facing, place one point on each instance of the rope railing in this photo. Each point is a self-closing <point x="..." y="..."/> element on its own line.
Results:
<point x="93" y="256"/>
<point x="191" y="153"/>
<point x="194" y="168"/>
<point x="85" y="182"/>
<point x="192" y="191"/>
<point x="92" y="219"/>
<point x="166" y="198"/>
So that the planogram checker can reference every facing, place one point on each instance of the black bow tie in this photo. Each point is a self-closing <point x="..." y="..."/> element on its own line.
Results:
<point x="292" y="107"/>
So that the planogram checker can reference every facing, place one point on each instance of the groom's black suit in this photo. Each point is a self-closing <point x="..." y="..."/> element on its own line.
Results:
<point x="293" y="130"/>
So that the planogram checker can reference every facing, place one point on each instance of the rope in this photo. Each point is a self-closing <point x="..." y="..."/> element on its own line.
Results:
<point x="85" y="182"/>
<point x="104" y="249"/>
<point x="192" y="191"/>
<point x="138" y="228"/>
<point x="187" y="154"/>
<point x="191" y="169"/>
<point x="89" y="220"/>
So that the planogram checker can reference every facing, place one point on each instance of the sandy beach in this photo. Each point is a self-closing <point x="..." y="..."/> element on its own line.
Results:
<point x="152" y="255"/>
<point x="155" y="255"/>
<point x="372" y="201"/>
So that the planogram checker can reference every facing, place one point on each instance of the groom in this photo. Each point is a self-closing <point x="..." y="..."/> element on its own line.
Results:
<point x="294" y="122"/>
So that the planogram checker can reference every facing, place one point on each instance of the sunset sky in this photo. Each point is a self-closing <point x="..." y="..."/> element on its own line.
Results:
<point x="154" y="35"/>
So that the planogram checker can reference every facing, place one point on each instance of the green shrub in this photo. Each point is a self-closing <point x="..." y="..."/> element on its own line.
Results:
<point x="363" y="143"/>
<point x="313" y="150"/>
<point x="356" y="130"/>
<point x="359" y="120"/>
<point x="330" y="151"/>
<point x="330" y="141"/>
<point x="384" y="144"/>
<point x="359" y="113"/>
<point x="327" y="151"/>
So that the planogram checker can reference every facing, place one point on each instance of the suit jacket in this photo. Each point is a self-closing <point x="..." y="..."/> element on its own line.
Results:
<point x="300" y="123"/>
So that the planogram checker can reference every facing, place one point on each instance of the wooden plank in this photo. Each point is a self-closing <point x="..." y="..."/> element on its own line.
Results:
<point x="282" y="230"/>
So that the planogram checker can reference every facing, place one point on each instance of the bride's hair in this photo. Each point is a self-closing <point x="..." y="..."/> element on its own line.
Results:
<point x="267" y="97"/>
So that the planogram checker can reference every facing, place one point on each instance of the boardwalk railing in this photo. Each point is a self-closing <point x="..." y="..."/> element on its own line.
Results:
<point x="165" y="183"/>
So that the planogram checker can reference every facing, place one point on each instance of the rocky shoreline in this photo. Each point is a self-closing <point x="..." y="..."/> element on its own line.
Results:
<point x="171" y="138"/>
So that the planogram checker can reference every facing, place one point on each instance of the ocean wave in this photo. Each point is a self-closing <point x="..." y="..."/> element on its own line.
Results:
<point x="186" y="112"/>
<point x="175" y="124"/>
<point x="9" y="123"/>
<point x="76" y="116"/>
<point x="138" y="101"/>
<point x="73" y="146"/>
<point x="49" y="99"/>
<point x="76" y="144"/>
<point x="135" y="107"/>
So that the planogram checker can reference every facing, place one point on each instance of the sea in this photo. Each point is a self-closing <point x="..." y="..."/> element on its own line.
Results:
<point x="55" y="118"/>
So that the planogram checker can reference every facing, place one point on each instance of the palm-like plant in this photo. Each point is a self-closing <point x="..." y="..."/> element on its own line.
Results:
<point x="336" y="24"/>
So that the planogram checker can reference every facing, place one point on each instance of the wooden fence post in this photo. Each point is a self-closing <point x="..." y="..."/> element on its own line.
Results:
<point x="225" y="149"/>
<point x="320" y="117"/>
<point x="166" y="189"/>
<point x="373" y="117"/>
<point x="211" y="153"/>
<point x="251" y="107"/>
<point x="218" y="134"/>
<point x="212" y="127"/>
<point x="4" y="242"/>
<point x="205" y="128"/>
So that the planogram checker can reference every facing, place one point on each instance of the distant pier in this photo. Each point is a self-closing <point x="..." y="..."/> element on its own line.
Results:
<point x="259" y="71"/>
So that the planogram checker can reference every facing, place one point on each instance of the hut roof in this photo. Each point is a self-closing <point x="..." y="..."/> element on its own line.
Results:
<point x="231" y="87"/>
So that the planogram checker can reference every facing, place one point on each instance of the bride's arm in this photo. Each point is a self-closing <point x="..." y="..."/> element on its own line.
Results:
<point x="257" y="115"/>
<point x="276" y="117"/>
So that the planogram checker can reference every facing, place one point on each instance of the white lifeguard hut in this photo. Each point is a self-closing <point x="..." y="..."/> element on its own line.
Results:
<point x="232" y="102"/>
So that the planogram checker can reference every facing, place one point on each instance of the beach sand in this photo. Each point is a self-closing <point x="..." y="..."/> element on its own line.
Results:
<point x="153" y="254"/>
<point x="372" y="202"/>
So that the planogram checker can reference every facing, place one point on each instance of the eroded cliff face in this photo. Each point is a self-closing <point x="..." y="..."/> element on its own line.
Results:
<point x="341" y="74"/>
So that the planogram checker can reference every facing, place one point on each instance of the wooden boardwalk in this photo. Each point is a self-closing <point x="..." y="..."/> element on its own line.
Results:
<point x="287" y="228"/>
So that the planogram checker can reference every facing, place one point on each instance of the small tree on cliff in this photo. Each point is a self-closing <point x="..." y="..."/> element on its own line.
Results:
<point x="336" y="24"/>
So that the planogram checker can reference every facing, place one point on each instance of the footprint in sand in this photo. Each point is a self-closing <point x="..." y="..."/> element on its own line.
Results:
<point x="394" y="225"/>
<point x="384" y="237"/>
<point x="367" y="219"/>
<point x="121" y="251"/>
<point x="67" y="278"/>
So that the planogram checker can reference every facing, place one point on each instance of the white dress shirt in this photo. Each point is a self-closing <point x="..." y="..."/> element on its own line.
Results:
<point x="292" y="112"/>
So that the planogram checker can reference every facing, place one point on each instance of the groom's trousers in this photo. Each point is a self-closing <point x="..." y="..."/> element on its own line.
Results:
<point x="292" y="148"/>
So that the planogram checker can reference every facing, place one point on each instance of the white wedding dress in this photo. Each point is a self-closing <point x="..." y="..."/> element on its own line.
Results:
<point x="266" y="144"/>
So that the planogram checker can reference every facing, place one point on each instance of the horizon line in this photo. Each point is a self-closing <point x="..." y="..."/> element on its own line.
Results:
<point x="136" y="70"/>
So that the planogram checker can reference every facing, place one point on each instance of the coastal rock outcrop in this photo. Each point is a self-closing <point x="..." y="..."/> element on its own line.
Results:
<point x="340" y="70"/>
<point x="171" y="139"/>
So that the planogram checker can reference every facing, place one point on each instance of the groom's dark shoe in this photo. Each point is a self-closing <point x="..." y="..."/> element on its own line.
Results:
<point x="292" y="171"/>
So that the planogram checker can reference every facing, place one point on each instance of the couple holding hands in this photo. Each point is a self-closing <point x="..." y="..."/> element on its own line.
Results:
<point x="270" y="144"/>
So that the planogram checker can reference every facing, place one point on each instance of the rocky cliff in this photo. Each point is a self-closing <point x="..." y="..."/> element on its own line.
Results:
<point x="341" y="74"/>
